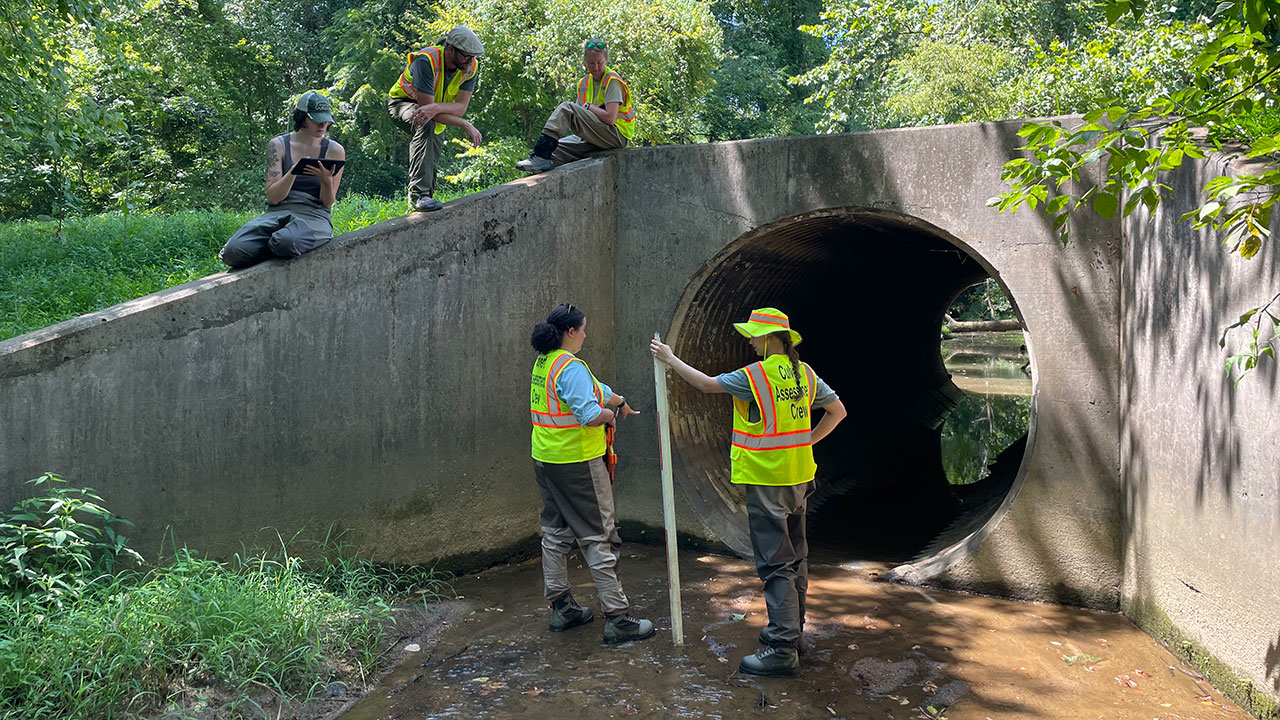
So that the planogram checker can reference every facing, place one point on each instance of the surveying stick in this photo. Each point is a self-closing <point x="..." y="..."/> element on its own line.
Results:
<point x="668" y="500"/>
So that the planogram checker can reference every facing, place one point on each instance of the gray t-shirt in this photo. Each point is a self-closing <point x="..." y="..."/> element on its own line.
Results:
<point x="424" y="78"/>
<point x="612" y="93"/>
<point x="738" y="385"/>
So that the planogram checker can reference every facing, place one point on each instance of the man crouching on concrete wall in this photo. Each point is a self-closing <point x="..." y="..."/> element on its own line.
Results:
<point x="601" y="119"/>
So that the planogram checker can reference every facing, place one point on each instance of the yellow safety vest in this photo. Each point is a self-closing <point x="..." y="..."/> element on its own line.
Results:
<point x="587" y="93"/>
<point x="435" y="55"/>
<point x="777" y="449"/>
<point x="557" y="436"/>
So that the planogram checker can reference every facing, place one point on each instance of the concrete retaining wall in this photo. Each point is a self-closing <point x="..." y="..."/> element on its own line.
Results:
<point x="1201" y="477"/>
<point x="377" y="384"/>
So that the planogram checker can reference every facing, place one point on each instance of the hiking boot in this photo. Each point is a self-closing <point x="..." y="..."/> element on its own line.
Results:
<point x="799" y="643"/>
<point x="625" y="628"/>
<point x="426" y="203"/>
<point x="536" y="164"/>
<point x="771" y="662"/>
<point x="565" y="614"/>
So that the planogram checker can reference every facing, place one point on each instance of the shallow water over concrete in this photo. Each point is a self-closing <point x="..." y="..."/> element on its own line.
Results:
<point x="875" y="651"/>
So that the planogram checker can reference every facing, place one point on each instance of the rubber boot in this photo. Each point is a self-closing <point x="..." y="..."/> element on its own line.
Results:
<point x="771" y="662"/>
<point x="565" y="614"/>
<point x="625" y="628"/>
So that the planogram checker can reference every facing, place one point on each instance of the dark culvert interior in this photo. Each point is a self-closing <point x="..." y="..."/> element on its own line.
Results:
<point x="868" y="291"/>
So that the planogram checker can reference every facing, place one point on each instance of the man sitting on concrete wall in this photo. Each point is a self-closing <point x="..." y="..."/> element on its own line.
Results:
<point x="601" y="119"/>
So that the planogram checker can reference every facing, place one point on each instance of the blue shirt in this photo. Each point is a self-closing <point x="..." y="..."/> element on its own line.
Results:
<point x="736" y="384"/>
<point x="575" y="389"/>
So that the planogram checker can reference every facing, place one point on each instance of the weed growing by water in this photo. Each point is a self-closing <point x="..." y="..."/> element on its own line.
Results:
<point x="133" y="642"/>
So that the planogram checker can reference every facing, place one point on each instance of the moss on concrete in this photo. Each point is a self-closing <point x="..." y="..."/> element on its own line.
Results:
<point x="1154" y="622"/>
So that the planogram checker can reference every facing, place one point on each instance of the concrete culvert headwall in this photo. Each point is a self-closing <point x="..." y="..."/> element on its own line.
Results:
<point x="872" y="287"/>
<point x="378" y="385"/>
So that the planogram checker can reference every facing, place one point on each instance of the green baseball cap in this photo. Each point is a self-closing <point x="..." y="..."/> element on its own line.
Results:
<point x="767" y="320"/>
<point x="316" y="106"/>
<point x="462" y="38"/>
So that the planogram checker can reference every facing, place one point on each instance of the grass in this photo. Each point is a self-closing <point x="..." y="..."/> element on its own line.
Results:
<point x="263" y="626"/>
<point x="50" y="273"/>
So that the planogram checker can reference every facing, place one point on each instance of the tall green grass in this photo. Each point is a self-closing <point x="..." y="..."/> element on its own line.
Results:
<point x="133" y="643"/>
<point x="51" y="272"/>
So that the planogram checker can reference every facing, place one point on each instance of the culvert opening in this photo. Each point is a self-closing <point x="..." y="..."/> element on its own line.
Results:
<point x="869" y="290"/>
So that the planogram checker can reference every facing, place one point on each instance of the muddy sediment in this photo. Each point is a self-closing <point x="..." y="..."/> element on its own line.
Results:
<point x="873" y="651"/>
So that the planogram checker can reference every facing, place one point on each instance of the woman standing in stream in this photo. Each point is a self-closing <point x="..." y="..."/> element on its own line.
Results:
<point x="570" y="408"/>
<point x="772" y="454"/>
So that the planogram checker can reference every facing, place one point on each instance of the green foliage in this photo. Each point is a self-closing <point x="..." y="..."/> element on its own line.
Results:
<point x="54" y="274"/>
<point x="942" y="82"/>
<point x="130" y="643"/>
<point x="55" y="546"/>
<point x="763" y="48"/>
<point x="910" y="62"/>
<point x="58" y="271"/>
<point x="982" y="301"/>
<point x="1230" y="95"/>
<point x="666" y="50"/>
<point x="865" y="38"/>
<point x="977" y="430"/>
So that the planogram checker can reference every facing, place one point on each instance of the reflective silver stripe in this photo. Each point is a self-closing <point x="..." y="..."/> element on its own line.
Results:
<point x="772" y="442"/>
<point x="547" y="419"/>
<point x="552" y="372"/>
<point x="764" y="397"/>
<point x="813" y="382"/>
<point x="770" y="320"/>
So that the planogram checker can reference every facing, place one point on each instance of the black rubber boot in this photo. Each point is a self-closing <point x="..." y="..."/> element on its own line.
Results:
<point x="625" y="628"/>
<point x="565" y="614"/>
<point x="771" y="662"/>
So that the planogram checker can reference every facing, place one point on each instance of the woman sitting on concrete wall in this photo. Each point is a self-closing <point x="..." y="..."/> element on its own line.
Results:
<point x="297" y="217"/>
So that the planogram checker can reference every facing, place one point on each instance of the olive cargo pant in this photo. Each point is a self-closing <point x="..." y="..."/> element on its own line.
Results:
<point x="425" y="148"/>
<point x="580" y="133"/>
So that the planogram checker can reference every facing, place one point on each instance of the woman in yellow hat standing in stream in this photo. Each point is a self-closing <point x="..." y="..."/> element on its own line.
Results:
<point x="772" y="454"/>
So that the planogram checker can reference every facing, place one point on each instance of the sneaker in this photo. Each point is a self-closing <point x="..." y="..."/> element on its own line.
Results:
<point x="426" y="203"/>
<point x="625" y="628"/>
<point x="771" y="662"/>
<point x="565" y="614"/>
<point x="536" y="164"/>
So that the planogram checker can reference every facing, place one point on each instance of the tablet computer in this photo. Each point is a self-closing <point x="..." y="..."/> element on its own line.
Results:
<point x="333" y="165"/>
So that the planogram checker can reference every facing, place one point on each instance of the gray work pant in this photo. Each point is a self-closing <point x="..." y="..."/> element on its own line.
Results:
<point x="580" y="133"/>
<point x="425" y="148"/>
<point x="299" y="224"/>
<point x="577" y="504"/>
<point x="775" y="515"/>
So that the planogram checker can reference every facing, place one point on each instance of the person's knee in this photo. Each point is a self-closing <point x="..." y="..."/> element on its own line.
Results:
<point x="285" y="244"/>
<point x="238" y="255"/>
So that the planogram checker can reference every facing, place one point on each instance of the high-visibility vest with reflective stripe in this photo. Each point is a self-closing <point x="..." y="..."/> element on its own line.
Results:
<point x="589" y="93"/>
<point x="777" y="449"/>
<point x="557" y="436"/>
<point x="435" y="55"/>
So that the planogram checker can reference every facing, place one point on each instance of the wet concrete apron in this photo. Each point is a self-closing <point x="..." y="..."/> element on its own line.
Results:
<point x="873" y="650"/>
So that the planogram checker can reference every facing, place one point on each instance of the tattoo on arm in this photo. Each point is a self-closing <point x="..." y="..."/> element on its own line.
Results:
<point x="273" y="161"/>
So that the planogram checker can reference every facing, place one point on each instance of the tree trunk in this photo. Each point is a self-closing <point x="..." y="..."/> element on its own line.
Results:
<point x="957" y="326"/>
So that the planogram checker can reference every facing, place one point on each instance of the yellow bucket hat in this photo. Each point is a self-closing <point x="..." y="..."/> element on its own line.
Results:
<point x="767" y="320"/>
